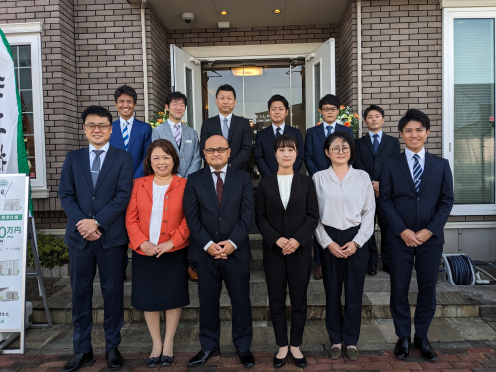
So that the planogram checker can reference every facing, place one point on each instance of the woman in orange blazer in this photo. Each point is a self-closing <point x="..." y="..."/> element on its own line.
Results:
<point x="158" y="233"/>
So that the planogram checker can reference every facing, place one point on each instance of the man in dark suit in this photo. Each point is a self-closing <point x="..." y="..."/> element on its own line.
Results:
<point x="236" y="130"/>
<point x="416" y="195"/>
<point x="265" y="158"/>
<point x="94" y="190"/>
<point x="315" y="158"/>
<point x="371" y="151"/>
<point x="128" y="133"/>
<point x="218" y="205"/>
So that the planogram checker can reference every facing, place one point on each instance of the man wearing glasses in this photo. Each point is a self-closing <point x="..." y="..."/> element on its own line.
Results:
<point x="219" y="206"/>
<point x="94" y="190"/>
<point x="315" y="159"/>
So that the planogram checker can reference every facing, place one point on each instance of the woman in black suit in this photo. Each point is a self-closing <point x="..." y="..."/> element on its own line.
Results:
<point x="287" y="214"/>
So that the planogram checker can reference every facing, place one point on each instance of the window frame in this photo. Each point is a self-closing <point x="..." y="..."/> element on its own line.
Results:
<point x="448" y="106"/>
<point x="30" y="34"/>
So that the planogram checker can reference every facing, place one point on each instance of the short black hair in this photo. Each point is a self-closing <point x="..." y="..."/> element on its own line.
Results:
<point x="414" y="115"/>
<point x="373" y="108"/>
<point x="126" y="89"/>
<point x="345" y="137"/>
<point x="225" y="88"/>
<point x="278" y="98"/>
<point x="176" y="95"/>
<point x="98" y="111"/>
<point x="329" y="99"/>
<point x="285" y="140"/>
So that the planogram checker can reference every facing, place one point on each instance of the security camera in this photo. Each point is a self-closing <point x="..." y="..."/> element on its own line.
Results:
<point x="188" y="17"/>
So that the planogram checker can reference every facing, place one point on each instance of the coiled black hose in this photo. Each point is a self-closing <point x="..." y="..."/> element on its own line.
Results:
<point x="460" y="266"/>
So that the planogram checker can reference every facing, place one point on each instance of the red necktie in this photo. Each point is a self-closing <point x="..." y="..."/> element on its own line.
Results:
<point x="219" y="187"/>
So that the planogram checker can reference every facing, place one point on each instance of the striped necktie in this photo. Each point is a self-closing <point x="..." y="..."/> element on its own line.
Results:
<point x="95" y="167"/>
<point x="328" y="129"/>
<point x="125" y="135"/>
<point x="278" y="132"/>
<point x="225" y="129"/>
<point x="177" y="135"/>
<point x="417" y="172"/>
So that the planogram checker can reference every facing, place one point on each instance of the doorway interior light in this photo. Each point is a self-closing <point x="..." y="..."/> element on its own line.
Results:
<point x="277" y="11"/>
<point x="248" y="71"/>
<point x="223" y="12"/>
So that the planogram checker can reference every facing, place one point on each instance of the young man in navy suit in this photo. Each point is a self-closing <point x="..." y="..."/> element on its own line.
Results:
<point x="265" y="158"/>
<point x="94" y="190"/>
<point x="128" y="133"/>
<point x="416" y="195"/>
<point x="315" y="159"/>
<point x="371" y="151"/>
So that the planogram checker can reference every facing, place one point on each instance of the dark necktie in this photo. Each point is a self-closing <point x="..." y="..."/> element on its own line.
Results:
<point x="219" y="187"/>
<point x="95" y="167"/>
<point x="278" y="132"/>
<point x="417" y="172"/>
<point x="328" y="129"/>
<point x="376" y="142"/>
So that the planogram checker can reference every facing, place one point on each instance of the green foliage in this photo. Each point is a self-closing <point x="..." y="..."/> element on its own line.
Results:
<point x="51" y="250"/>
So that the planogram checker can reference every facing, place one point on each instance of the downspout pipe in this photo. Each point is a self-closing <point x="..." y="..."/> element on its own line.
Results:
<point x="359" y="51"/>
<point x="145" y="63"/>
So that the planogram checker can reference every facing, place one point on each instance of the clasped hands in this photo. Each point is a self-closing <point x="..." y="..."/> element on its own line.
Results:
<point x="221" y="250"/>
<point x="413" y="239"/>
<point x="288" y="246"/>
<point x="89" y="229"/>
<point x="345" y="251"/>
<point x="156" y="250"/>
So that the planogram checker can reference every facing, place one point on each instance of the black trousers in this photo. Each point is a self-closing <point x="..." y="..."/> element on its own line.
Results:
<point x="373" y="252"/>
<point x="294" y="271"/>
<point x="237" y="280"/>
<point x="344" y="327"/>
<point x="111" y="263"/>
<point x="317" y="249"/>
<point x="426" y="260"/>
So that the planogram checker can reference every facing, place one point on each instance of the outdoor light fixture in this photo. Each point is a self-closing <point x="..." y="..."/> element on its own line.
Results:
<point x="248" y="71"/>
<point x="223" y="12"/>
<point x="277" y="11"/>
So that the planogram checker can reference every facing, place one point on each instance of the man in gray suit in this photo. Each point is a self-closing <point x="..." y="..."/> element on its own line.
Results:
<point x="184" y="138"/>
<point x="185" y="141"/>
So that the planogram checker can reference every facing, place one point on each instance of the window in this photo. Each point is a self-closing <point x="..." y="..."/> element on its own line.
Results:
<point x="317" y="93"/>
<point x="469" y="107"/>
<point x="25" y="43"/>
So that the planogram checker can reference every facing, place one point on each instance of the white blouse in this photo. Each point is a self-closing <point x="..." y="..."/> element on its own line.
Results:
<point x="157" y="212"/>
<point x="284" y="183"/>
<point x="345" y="204"/>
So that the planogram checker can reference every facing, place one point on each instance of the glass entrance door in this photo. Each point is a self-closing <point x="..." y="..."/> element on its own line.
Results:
<point x="255" y="82"/>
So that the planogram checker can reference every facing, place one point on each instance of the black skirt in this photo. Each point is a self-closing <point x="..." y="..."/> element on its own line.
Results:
<point x="160" y="284"/>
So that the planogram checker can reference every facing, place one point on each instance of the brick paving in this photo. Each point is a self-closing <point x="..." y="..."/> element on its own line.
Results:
<point x="458" y="360"/>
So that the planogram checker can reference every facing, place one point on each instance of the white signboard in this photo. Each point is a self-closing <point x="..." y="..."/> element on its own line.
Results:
<point x="14" y="209"/>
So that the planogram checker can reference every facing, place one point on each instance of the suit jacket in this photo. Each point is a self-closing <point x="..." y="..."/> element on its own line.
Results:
<point x="106" y="202"/>
<point x="264" y="150"/>
<point x="209" y="222"/>
<point x="404" y="208"/>
<point x="189" y="154"/>
<point x="315" y="158"/>
<point x="366" y="158"/>
<point x="140" y="139"/>
<point x="239" y="138"/>
<point x="298" y="221"/>
<point x="139" y="211"/>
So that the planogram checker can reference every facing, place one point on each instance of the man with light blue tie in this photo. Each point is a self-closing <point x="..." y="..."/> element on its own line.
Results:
<point x="128" y="133"/>
<point x="315" y="158"/>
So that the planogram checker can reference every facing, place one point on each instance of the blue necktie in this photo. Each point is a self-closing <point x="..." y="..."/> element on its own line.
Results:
<point x="376" y="142"/>
<point x="125" y="135"/>
<point x="95" y="167"/>
<point x="328" y="128"/>
<point x="417" y="172"/>
<point x="278" y="132"/>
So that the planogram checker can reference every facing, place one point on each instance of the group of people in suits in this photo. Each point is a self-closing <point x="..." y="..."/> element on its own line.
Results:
<point x="143" y="189"/>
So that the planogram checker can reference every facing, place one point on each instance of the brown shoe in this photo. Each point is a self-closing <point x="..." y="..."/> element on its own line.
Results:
<point x="193" y="275"/>
<point x="318" y="273"/>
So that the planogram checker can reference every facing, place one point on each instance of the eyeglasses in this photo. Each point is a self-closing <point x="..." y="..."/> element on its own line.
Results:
<point x="336" y="150"/>
<point x="220" y="150"/>
<point x="327" y="109"/>
<point x="92" y="127"/>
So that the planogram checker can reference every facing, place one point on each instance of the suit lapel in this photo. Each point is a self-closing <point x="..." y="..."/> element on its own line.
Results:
<point x="209" y="185"/>
<point x="134" y="133"/>
<point x="107" y="163"/>
<point x="231" y="175"/>
<point x="116" y="128"/>
<point x="403" y="164"/>
<point x="84" y="160"/>
<point x="321" y="135"/>
<point x="270" y="131"/>
<point x="274" y="185"/>
<point x="232" y="128"/>
<point x="218" y="125"/>
<point x="295" y="185"/>
<point x="428" y="165"/>
<point x="169" y="136"/>
<point x="385" y="138"/>
<point x="368" y="141"/>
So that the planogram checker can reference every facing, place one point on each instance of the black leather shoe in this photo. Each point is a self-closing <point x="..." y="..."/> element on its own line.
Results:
<point x="426" y="350"/>
<point x="278" y="363"/>
<point x="372" y="269"/>
<point x="153" y="361"/>
<point x="202" y="357"/>
<point x="114" y="358"/>
<point x="166" y="360"/>
<point x="402" y="348"/>
<point x="78" y="359"/>
<point x="246" y="358"/>
<point x="302" y="362"/>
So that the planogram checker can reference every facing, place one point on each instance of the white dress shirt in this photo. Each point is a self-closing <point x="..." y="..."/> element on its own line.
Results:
<point x="379" y="138"/>
<point x="411" y="161"/>
<point x="105" y="149"/>
<point x="157" y="212"/>
<point x="345" y="204"/>
<point x="228" y="117"/>
<point x="171" y="123"/>
<point x="214" y="178"/>
<point x="274" y="127"/>
<point x="129" y="127"/>
<point x="284" y="183"/>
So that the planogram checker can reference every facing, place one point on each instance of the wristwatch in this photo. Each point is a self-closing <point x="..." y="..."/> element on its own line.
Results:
<point x="357" y="245"/>
<point x="96" y="223"/>
<point x="430" y="232"/>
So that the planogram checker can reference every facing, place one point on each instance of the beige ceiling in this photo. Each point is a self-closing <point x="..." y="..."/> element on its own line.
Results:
<point x="248" y="13"/>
